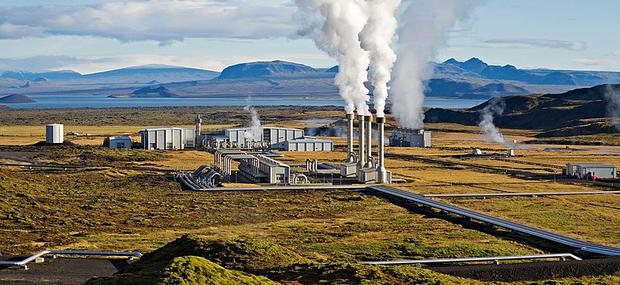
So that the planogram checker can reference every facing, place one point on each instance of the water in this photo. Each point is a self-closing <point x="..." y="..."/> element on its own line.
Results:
<point x="94" y="101"/>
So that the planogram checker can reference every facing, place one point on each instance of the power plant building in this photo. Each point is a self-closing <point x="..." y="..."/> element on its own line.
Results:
<point x="309" y="144"/>
<point x="163" y="138"/>
<point x="267" y="137"/>
<point x="120" y="142"/>
<point x="585" y="170"/>
<point x="410" y="138"/>
<point x="54" y="134"/>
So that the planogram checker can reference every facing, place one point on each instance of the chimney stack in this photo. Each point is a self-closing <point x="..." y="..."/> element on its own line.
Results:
<point x="350" y="157"/>
<point x="361" y="161"/>
<point x="381" y="171"/>
<point x="368" y="141"/>
<point x="198" y="130"/>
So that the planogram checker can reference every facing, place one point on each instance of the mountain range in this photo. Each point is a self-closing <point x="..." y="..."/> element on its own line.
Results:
<point x="452" y="79"/>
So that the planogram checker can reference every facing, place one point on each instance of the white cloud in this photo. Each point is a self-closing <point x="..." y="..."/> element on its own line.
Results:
<point x="537" y="43"/>
<point x="160" y="20"/>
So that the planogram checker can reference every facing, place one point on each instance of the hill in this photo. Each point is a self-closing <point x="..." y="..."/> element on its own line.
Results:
<point x="153" y="92"/>
<point x="577" y="112"/>
<point x="263" y="69"/>
<point x="16" y="98"/>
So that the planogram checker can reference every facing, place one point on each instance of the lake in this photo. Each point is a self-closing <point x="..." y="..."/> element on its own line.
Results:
<point x="85" y="101"/>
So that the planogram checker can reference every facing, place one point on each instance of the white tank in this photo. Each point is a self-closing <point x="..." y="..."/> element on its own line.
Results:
<point x="54" y="134"/>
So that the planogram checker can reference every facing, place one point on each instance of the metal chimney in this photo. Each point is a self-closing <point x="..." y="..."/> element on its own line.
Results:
<point x="381" y="171"/>
<point x="368" y="141"/>
<point x="198" y="130"/>
<point x="350" y="157"/>
<point x="361" y="162"/>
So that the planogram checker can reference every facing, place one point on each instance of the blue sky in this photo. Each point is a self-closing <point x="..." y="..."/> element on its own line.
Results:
<point x="94" y="35"/>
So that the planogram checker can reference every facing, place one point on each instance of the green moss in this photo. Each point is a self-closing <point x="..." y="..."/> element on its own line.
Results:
<point x="198" y="270"/>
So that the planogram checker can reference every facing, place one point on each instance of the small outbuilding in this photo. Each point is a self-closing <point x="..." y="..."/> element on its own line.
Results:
<point x="120" y="142"/>
<point x="588" y="170"/>
<point x="54" y="134"/>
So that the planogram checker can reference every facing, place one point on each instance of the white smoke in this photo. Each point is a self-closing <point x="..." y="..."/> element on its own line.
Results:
<point x="612" y="95"/>
<point x="255" y="128"/>
<point x="340" y="23"/>
<point x="424" y="28"/>
<point x="376" y="38"/>
<point x="495" y="107"/>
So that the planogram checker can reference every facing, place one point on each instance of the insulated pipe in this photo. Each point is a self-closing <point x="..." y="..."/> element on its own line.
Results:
<point x="381" y="172"/>
<point x="368" y="141"/>
<point x="350" y="157"/>
<point x="361" y="161"/>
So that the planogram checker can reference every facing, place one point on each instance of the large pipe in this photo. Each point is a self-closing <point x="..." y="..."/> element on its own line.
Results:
<point x="381" y="172"/>
<point x="368" y="141"/>
<point x="361" y="161"/>
<point x="350" y="157"/>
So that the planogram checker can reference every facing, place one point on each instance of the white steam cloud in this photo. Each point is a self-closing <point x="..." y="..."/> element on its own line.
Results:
<point x="494" y="107"/>
<point x="612" y="95"/>
<point x="340" y="23"/>
<point x="424" y="28"/>
<point x="255" y="128"/>
<point x="376" y="38"/>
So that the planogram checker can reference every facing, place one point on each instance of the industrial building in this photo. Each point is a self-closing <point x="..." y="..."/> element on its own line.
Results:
<point x="256" y="168"/>
<point x="54" y="134"/>
<point x="308" y="144"/>
<point x="163" y="138"/>
<point x="261" y="137"/>
<point x="410" y="138"/>
<point x="591" y="170"/>
<point x="120" y="142"/>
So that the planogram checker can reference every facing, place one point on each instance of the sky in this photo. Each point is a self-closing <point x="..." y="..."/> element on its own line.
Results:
<point x="96" y="35"/>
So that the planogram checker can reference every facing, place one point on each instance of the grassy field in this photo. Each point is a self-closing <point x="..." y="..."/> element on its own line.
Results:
<point x="126" y="201"/>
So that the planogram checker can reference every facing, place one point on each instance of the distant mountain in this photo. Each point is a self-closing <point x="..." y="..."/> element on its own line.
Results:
<point x="153" y="92"/>
<point x="150" y="73"/>
<point x="41" y="76"/>
<point x="137" y="74"/>
<point x="580" y="111"/>
<point x="524" y="76"/>
<point x="16" y="98"/>
<point x="265" y="69"/>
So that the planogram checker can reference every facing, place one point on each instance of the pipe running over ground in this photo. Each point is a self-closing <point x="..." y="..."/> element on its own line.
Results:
<point x="24" y="262"/>
<point x="495" y="259"/>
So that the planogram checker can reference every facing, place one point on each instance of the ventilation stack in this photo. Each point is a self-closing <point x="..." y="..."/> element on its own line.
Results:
<point x="382" y="174"/>
<point x="368" y="142"/>
<point x="350" y="156"/>
<point x="361" y="161"/>
<point x="198" y="131"/>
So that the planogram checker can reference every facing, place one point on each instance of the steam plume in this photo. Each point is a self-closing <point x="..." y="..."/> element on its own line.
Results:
<point x="376" y="38"/>
<point x="424" y="29"/>
<point x="341" y="22"/>
<point x="255" y="127"/>
<point x="612" y="95"/>
<point x="491" y="133"/>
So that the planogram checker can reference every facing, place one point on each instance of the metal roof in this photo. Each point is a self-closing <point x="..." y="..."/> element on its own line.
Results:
<point x="593" y="165"/>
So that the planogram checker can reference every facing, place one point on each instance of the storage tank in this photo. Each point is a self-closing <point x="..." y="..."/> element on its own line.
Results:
<point x="54" y="134"/>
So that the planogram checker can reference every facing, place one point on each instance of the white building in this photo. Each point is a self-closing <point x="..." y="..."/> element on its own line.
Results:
<point x="54" y="134"/>
<point x="583" y="170"/>
<point x="269" y="137"/>
<point x="163" y="138"/>
<point x="410" y="138"/>
<point x="120" y="142"/>
<point x="189" y="138"/>
<point x="308" y="144"/>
